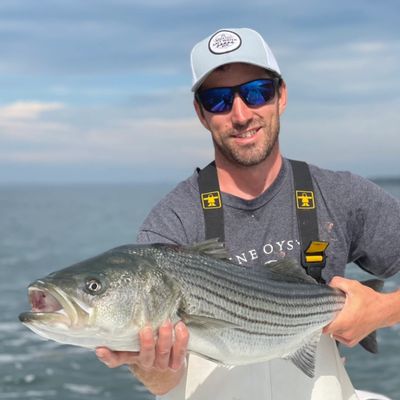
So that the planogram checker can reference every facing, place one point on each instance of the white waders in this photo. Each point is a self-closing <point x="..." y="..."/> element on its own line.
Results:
<point x="273" y="380"/>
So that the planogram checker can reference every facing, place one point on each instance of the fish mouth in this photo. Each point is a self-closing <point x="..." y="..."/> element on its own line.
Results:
<point x="51" y="305"/>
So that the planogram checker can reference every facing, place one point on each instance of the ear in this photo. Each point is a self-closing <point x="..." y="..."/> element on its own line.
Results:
<point x="282" y="98"/>
<point x="200" y="114"/>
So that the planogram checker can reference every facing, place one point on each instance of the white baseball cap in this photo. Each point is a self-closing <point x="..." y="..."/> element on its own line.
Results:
<point x="230" y="46"/>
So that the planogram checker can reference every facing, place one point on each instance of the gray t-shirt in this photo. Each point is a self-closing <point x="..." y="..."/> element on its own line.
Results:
<point x="360" y="221"/>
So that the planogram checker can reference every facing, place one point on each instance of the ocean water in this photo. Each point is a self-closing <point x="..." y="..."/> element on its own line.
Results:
<point x="44" y="228"/>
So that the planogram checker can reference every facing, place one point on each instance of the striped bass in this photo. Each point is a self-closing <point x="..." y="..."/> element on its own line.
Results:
<point x="236" y="315"/>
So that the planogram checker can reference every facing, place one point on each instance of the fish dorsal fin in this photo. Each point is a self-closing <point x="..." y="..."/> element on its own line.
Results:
<point x="211" y="247"/>
<point x="288" y="270"/>
<point x="304" y="357"/>
<point x="375" y="284"/>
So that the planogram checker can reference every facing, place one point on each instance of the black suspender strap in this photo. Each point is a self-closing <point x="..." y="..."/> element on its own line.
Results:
<point x="313" y="256"/>
<point x="211" y="202"/>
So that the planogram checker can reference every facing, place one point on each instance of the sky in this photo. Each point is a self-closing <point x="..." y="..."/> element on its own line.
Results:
<point x="99" y="91"/>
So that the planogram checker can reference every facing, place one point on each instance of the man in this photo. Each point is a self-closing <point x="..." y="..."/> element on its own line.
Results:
<point x="239" y="97"/>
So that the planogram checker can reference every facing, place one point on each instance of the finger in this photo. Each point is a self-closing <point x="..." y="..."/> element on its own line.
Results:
<point x="179" y="350"/>
<point x="338" y="327"/>
<point x="334" y="328"/>
<point x="147" y="348"/>
<point x="326" y="330"/>
<point x="115" y="359"/>
<point x="346" y="342"/>
<point x="339" y="282"/>
<point x="164" y="345"/>
<point x="336" y="280"/>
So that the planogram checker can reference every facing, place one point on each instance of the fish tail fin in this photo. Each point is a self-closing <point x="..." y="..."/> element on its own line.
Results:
<point x="370" y="343"/>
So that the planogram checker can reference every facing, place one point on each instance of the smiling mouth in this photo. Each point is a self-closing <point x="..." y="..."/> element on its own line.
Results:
<point x="247" y="134"/>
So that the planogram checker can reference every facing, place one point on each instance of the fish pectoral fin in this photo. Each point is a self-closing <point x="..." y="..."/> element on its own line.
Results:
<point x="304" y="358"/>
<point x="214" y="360"/>
<point x="205" y="322"/>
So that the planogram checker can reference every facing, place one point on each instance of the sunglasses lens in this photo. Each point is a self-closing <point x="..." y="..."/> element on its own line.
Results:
<point x="258" y="92"/>
<point x="217" y="100"/>
<point x="254" y="93"/>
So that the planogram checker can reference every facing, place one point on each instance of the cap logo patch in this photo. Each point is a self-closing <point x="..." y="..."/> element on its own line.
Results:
<point x="224" y="42"/>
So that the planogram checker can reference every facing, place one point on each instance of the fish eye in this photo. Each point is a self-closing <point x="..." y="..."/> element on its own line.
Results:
<point x="93" y="286"/>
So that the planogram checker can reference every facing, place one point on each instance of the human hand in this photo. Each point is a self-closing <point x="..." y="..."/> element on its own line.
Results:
<point x="167" y="352"/>
<point x="362" y="313"/>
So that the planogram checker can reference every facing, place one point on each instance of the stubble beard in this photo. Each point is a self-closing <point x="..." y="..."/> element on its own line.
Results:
<point x="251" y="155"/>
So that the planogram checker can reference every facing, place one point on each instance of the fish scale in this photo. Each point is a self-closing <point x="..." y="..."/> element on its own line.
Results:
<point x="253" y="302"/>
<point x="235" y="315"/>
<point x="258" y="292"/>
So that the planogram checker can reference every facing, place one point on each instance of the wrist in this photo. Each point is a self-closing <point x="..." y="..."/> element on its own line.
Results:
<point x="158" y="382"/>
<point x="393" y="308"/>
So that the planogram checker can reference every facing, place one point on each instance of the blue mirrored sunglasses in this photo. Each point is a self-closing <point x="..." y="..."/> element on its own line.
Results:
<point x="253" y="93"/>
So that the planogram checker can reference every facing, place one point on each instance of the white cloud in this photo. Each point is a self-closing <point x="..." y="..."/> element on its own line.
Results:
<point x="27" y="110"/>
<point x="370" y="47"/>
<point x="121" y="66"/>
<point x="149" y="141"/>
<point x="121" y="141"/>
<point x="361" y="138"/>
<point x="30" y="123"/>
<point x="353" y="57"/>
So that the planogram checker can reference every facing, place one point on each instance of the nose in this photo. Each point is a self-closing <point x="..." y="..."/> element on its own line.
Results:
<point x="240" y="113"/>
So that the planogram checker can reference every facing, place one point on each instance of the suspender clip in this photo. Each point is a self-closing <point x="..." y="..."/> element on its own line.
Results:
<point x="314" y="259"/>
